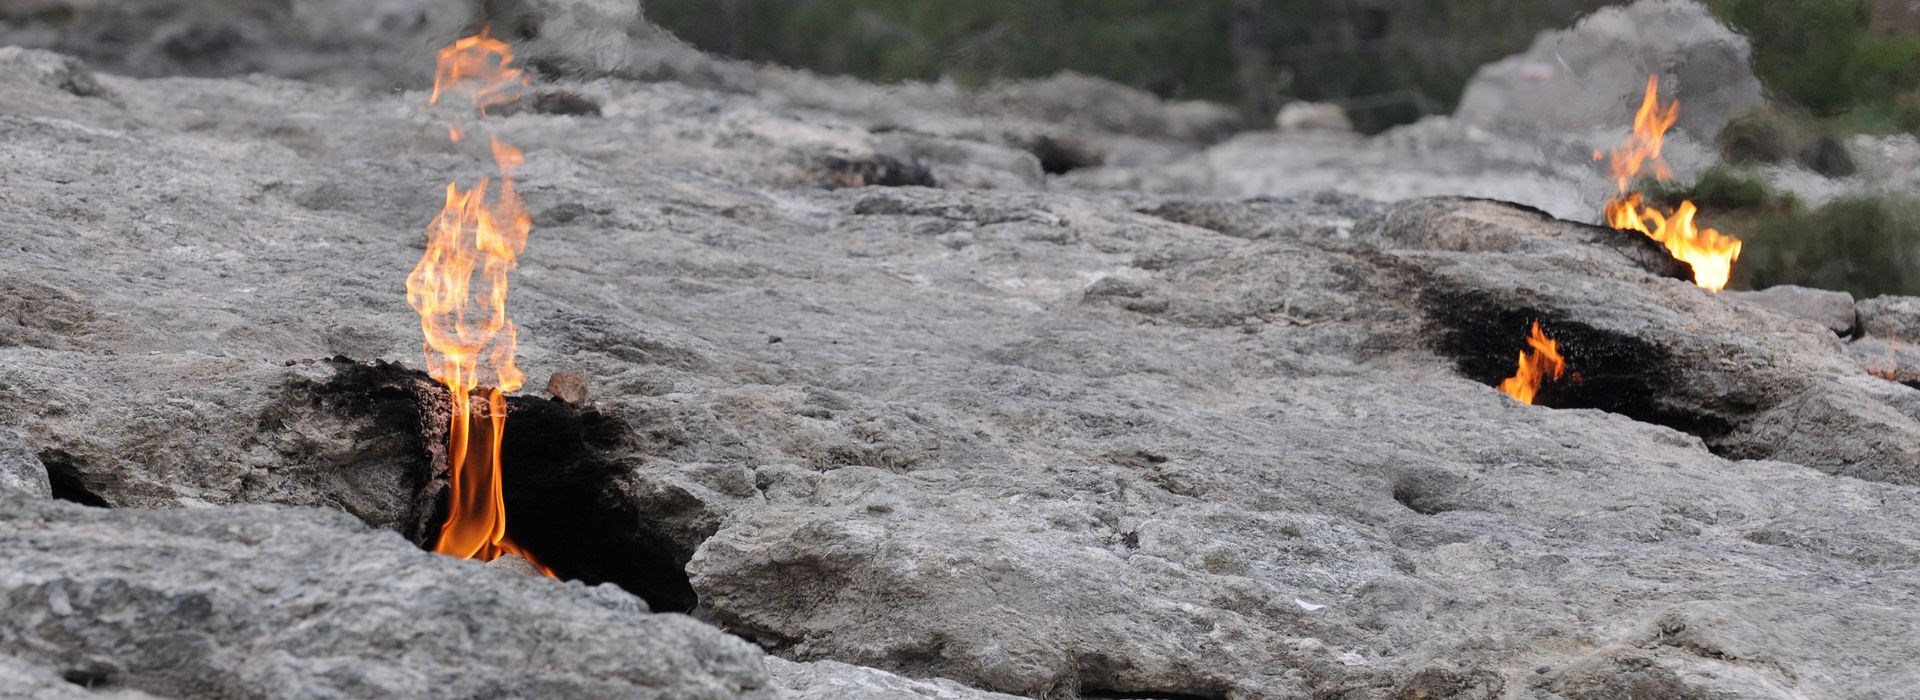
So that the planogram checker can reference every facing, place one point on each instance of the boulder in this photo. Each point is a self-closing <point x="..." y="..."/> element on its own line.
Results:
<point x="1594" y="74"/>
<point x="1834" y="310"/>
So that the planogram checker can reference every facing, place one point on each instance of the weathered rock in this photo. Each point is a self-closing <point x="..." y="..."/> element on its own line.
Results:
<point x="263" y="600"/>
<point x="1041" y="441"/>
<point x="1579" y="78"/>
<point x="20" y="469"/>
<point x="1834" y="310"/>
<point x="1890" y="318"/>
<point x="832" y="680"/>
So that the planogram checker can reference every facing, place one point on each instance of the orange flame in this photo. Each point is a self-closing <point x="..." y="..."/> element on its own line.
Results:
<point x="1541" y="364"/>
<point x="459" y="289"/>
<point x="1710" y="252"/>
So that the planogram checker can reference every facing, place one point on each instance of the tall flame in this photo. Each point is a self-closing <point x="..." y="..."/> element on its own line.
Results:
<point x="1543" y="363"/>
<point x="460" y="290"/>
<point x="1710" y="252"/>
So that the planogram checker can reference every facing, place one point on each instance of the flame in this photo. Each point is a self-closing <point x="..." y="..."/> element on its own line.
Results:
<point x="1710" y="252"/>
<point x="459" y="289"/>
<point x="1541" y="364"/>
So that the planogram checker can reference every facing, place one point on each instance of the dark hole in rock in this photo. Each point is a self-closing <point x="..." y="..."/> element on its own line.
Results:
<point x="1606" y="370"/>
<point x="1419" y="495"/>
<point x="64" y="475"/>
<point x="565" y="102"/>
<point x="1060" y="156"/>
<point x="879" y="170"/>
<point x="89" y="677"/>
<point x="566" y="500"/>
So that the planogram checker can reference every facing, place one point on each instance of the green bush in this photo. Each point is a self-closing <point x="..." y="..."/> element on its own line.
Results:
<point x="1717" y="190"/>
<point x="1388" y="64"/>
<point x="1823" y="55"/>
<point x="1867" y="245"/>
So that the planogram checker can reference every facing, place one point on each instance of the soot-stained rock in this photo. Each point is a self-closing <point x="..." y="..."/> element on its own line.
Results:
<point x="1034" y="437"/>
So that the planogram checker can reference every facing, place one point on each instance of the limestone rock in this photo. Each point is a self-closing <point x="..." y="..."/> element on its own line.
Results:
<point x="264" y="600"/>
<point x="1827" y="308"/>
<point x="1583" y="77"/>
<point x="20" y="469"/>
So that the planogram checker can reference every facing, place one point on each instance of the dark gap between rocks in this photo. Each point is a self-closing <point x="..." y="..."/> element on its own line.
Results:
<point x="64" y="475"/>
<point x="1606" y="370"/>
<point x="566" y="498"/>
<point x="1061" y="156"/>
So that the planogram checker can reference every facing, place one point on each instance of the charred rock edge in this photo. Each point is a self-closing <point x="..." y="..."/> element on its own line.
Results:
<point x="1607" y="370"/>
<point x="569" y="502"/>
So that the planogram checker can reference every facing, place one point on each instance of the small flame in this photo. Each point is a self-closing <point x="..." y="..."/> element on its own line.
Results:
<point x="459" y="289"/>
<point x="1535" y="367"/>
<point x="1710" y="252"/>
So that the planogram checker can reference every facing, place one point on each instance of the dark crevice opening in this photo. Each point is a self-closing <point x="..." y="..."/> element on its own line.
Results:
<point x="64" y="474"/>
<point x="1606" y="370"/>
<point x="1059" y="156"/>
<point x="568" y="501"/>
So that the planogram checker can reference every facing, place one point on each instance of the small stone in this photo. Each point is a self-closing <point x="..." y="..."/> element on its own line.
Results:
<point x="568" y="386"/>
<point x="514" y="563"/>
<point x="1312" y="116"/>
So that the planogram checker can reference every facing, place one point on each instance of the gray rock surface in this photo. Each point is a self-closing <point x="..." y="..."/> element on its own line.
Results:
<point x="832" y="680"/>
<point x="20" y="469"/>
<point x="1831" y="309"/>
<point x="1568" y="79"/>
<point x="1080" y="435"/>
<point x="265" y="600"/>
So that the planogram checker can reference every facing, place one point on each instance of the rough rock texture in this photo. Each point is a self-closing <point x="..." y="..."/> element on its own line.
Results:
<point x="20" y="470"/>
<point x="832" y="680"/>
<point x="1889" y="342"/>
<point x="1568" y="79"/>
<point x="1831" y="309"/>
<point x="264" y="600"/>
<point x="1086" y="436"/>
<point x="259" y="601"/>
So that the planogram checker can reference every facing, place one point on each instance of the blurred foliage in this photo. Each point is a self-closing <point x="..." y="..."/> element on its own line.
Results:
<point x="1825" y="56"/>
<point x="1777" y="134"/>
<point x="1865" y="245"/>
<point x="1388" y="63"/>
<point x="1718" y="189"/>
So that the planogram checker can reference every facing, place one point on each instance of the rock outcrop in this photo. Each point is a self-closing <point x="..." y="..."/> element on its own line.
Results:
<point x="1574" y="80"/>
<point x="991" y="430"/>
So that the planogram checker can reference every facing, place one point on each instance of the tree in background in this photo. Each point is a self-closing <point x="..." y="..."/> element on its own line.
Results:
<point x="1824" y="55"/>
<point x="1388" y="62"/>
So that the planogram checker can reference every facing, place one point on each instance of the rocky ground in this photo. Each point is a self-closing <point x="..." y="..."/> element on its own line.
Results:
<point x="910" y="392"/>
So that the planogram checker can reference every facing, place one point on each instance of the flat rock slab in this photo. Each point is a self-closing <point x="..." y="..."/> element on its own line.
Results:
<point x="1834" y="310"/>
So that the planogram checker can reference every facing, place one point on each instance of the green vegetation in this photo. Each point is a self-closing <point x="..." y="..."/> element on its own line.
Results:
<point x="1824" y="55"/>
<point x="1387" y="64"/>
<point x="1865" y="245"/>
<point x="1718" y="189"/>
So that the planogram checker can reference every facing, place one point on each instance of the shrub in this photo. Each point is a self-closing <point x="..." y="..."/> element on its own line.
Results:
<point x="1865" y="245"/>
